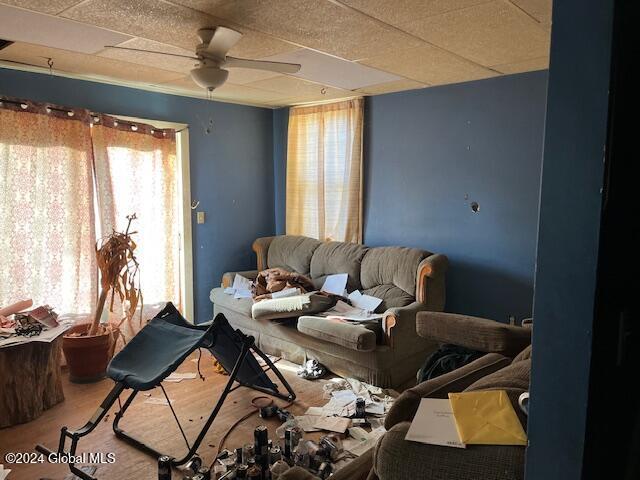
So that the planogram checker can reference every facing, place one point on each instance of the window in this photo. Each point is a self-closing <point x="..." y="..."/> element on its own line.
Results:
<point x="65" y="180"/>
<point x="324" y="171"/>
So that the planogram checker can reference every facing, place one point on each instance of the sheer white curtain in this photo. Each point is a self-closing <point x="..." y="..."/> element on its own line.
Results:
<point x="47" y="226"/>
<point x="137" y="173"/>
<point x="50" y="161"/>
<point x="324" y="171"/>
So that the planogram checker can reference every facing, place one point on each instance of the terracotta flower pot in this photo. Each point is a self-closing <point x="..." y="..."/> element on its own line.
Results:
<point x="87" y="355"/>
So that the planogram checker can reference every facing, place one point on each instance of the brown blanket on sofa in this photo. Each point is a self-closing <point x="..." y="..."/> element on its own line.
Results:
<point x="277" y="279"/>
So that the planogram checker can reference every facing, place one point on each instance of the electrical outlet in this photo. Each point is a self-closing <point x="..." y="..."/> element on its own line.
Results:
<point x="200" y="217"/>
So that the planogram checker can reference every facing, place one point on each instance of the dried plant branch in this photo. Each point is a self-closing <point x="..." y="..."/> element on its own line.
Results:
<point x="119" y="271"/>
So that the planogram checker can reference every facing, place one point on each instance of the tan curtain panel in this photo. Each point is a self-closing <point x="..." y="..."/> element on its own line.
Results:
<point x="136" y="172"/>
<point x="47" y="232"/>
<point x="324" y="171"/>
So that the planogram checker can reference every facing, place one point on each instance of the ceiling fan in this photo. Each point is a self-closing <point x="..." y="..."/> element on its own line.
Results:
<point x="213" y="60"/>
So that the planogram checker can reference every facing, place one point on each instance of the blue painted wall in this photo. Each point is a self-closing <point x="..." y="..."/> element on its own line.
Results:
<point x="425" y="152"/>
<point x="570" y="207"/>
<point x="231" y="169"/>
<point x="280" y="129"/>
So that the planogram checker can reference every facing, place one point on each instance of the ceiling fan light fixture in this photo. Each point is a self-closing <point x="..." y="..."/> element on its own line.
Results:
<point x="209" y="77"/>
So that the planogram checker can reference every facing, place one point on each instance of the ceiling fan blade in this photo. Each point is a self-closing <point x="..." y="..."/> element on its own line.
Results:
<point x="222" y="41"/>
<point x="151" y="51"/>
<point x="279" y="67"/>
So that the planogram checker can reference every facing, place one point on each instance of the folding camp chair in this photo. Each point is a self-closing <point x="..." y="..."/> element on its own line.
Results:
<point x="154" y="353"/>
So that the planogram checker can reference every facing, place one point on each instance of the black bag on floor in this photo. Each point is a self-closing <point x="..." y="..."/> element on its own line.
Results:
<point x="446" y="359"/>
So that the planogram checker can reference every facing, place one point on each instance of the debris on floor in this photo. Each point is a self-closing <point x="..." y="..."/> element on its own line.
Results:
<point x="312" y="370"/>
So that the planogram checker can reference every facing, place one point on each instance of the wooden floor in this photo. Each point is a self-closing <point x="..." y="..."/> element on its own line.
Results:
<point x="193" y="401"/>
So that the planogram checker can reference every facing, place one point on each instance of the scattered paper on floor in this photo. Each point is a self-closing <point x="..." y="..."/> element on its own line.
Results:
<point x="156" y="401"/>
<point x="176" y="377"/>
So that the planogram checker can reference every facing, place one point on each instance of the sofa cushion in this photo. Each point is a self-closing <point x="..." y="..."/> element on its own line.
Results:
<point x="397" y="458"/>
<point x="293" y="253"/>
<point x="291" y="307"/>
<point x="523" y="355"/>
<point x="338" y="257"/>
<point x="392" y="266"/>
<point x="239" y="305"/>
<point x="391" y="296"/>
<point x="355" y="337"/>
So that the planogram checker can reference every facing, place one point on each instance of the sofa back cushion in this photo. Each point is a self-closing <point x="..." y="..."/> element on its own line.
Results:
<point x="390" y="273"/>
<point x="338" y="257"/>
<point x="292" y="253"/>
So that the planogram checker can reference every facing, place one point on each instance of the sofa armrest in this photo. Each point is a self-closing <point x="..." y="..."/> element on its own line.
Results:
<point x="430" y="281"/>
<point x="397" y="458"/>
<point x="228" y="277"/>
<point x="406" y="405"/>
<point x="261" y="247"/>
<point x="473" y="332"/>
<point x="399" y="323"/>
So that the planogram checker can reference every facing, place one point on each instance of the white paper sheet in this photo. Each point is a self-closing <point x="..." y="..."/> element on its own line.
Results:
<point x="287" y="292"/>
<point x="333" y="424"/>
<point x="307" y="422"/>
<point x="367" y="303"/>
<point x="335" y="284"/>
<point x="317" y="411"/>
<point x="343" y="397"/>
<point x="434" y="423"/>
<point x="375" y="408"/>
<point x="343" y="311"/>
<point x="241" y="287"/>
<point x="361" y="447"/>
<point x="176" y="377"/>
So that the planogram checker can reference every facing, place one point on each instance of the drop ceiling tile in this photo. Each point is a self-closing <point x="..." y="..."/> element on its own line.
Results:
<point x="207" y="6"/>
<point x="79" y="63"/>
<point x="490" y="34"/>
<point x="228" y="91"/>
<point x="242" y="76"/>
<point x="173" y="64"/>
<point x="170" y="24"/>
<point x="399" y="12"/>
<point x="328" y="70"/>
<point x="155" y="20"/>
<point x="295" y="87"/>
<point x="52" y="7"/>
<point x="26" y="26"/>
<point x="256" y="45"/>
<point x="430" y="65"/>
<point x="526" y="66"/>
<point x="539" y="9"/>
<point x="390" y="87"/>
<point x="321" y="25"/>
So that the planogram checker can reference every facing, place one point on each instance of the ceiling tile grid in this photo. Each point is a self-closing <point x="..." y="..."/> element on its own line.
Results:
<point x="346" y="47"/>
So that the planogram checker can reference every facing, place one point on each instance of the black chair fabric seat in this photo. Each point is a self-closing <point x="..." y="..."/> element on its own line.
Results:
<point x="157" y="350"/>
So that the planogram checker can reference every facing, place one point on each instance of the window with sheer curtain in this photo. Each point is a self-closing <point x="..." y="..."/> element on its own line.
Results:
<point x="64" y="181"/>
<point x="324" y="171"/>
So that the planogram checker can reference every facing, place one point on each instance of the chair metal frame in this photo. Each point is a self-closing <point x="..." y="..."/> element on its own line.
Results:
<point x="248" y="346"/>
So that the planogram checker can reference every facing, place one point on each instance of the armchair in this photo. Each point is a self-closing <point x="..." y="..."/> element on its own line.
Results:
<point x="396" y="458"/>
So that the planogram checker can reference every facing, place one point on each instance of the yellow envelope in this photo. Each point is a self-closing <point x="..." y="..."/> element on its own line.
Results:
<point x="486" y="418"/>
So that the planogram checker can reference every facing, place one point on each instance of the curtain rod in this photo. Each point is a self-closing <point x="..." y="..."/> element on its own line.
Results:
<point x="95" y="116"/>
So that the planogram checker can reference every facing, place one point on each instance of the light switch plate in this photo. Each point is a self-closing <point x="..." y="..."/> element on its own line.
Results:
<point x="200" y="217"/>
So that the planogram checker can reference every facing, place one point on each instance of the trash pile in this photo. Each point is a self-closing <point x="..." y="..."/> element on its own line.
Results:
<point x="321" y="441"/>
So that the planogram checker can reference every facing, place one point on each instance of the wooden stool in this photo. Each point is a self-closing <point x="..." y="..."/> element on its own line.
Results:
<point x="30" y="380"/>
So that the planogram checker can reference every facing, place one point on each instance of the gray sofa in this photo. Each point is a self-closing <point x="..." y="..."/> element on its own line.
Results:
<point x="408" y="280"/>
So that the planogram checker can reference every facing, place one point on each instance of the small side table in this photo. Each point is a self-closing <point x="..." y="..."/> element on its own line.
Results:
<point x="30" y="380"/>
